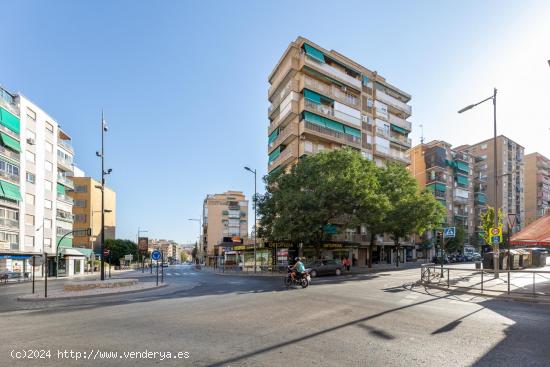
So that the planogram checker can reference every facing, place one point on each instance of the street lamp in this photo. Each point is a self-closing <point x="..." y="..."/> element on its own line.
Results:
<point x="103" y="174"/>
<point x="511" y="225"/>
<point x="255" y="211"/>
<point x="199" y="248"/>
<point x="495" y="216"/>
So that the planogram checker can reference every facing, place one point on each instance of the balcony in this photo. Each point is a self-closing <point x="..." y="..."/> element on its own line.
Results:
<point x="65" y="180"/>
<point x="306" y="126"/>
<point x="289" y="108"/>
<point x="437" y="177"/>
<point x="400" y="156"/>
<point x="284" y="133"/>
<point x="289" y="154"/>
<point x="291" y="62"/>
<point x="349" y="237"/>
<point x="9" y="223"/>
<point x="9" y="153"/>
<point x="398" y="121"/>
<point x="65" y="144"/>
<point x="64" y="216"/>
<point x="331" y="71"/>
<point x="65" y="198"/>
<point x="10" y="177"/>
<point x="9" y="132"/>
<point x="331" y="91"/>
<point x="291" y="85"/>
<point x="401" y="140"/>
<point x="13" y="246"/>
<point x="65" y="163"/>
<point x="318" y="108"/>
<point x="393" y="102"/>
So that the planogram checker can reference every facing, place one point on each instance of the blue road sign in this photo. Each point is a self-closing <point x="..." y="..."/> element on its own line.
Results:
<point x="155" y="255"/>
<point x="496" y="239"/>
<point x="449" y="232"/>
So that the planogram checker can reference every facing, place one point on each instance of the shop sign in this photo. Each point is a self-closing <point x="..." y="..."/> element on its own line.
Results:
<point x="332" y="245"/>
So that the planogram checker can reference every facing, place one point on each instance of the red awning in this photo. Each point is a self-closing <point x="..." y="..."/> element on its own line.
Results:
<point x="535" y="234"/>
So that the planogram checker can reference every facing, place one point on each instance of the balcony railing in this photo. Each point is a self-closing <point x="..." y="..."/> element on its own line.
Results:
<point x="398" y="121"/>
<point x="284" y="155"/>
<point x="9" y="153"/>
<point x="65" y="217"/>
<point x="65" y="162"/>
<point x="9" y="223"/>
<point x="284" y="133"/>
<point x="9" y="132"/>
<point x="319" y="108"/>
<point x="401" y="140"/>
<point x="341" y="137"/>
<point x="332" y="71"/>
<point x="401" y="156"/>
<point x="9" y="176"/>
<point x="65" y="198"/>
<point x="65" y="181"/>
<point x="394" y="102"/>
<point x="66" y="145"/>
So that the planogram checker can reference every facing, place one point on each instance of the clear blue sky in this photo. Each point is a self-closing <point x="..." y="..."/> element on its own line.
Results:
<point x="184" y="84"/>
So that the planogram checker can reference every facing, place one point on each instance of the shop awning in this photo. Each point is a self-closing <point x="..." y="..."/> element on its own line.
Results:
<point x="10" y="142"/>
<point x="71" y="252"/>
<point x="535" y="234"/>
<point x="84" y="251"/>
<point x="10" y="191"/>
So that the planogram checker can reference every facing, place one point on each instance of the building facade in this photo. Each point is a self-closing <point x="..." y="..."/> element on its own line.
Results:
<point x="225" y="218"/>
<point x="510" y="175"/>
<point x="36" y="166"/>
<point x="449" y="175"/>
<point x="536" y="187"/>
<point x="322" y="100"/>
<point x="87" y="213"/>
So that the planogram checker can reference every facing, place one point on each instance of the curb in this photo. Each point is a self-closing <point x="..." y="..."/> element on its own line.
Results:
<point x="24" y="299"/>
<point x="545" y="300"/>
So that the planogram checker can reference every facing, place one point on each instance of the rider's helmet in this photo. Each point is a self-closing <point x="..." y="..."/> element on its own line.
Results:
<point x="297" y="259"/>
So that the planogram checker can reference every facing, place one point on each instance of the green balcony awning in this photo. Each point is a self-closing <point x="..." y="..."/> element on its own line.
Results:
<point x="60" y="189"/>
<point x="10" y="191"/>
<point x="333" y="125"/>
<point x="276" y="170"/>
<point x="313" y="52"/>
<point x="399" y="129"/>
<point x="274" y="154"/>
<point x="67" y="242"/>
<point x="312" y="96"/>
<point x="461" y="166"/>
<point x="352" y="131"/>
<point x="330" y="229"/>
<point x="10" y="142"/>
<point x="273" y="135"/>
<point x="9" y="120"/>
<point x="365" y="80"/>
<point x="462" y="180"/>
<point x="315" y="119"/>
<point x="437" y="186"/>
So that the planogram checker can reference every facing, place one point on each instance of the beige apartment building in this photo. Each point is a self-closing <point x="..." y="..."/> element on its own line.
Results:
<point x="536" y="186"/>
<point x="449" y="175"/>
<point x="322" y="100"/>
<point x="510" y="173"/>
<point x="171" y="250"/>
<point x="225" y="219"/>
<point x="87" y="213"/>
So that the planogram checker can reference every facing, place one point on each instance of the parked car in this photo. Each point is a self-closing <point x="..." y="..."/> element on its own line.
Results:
<point x="325" y="267"/>
<point x="437" y="260"/>
<point x="165" y="265"/>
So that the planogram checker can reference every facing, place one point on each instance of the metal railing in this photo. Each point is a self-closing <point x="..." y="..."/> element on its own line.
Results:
<point x="9" y="176"/>
<point x="9" y="153"/>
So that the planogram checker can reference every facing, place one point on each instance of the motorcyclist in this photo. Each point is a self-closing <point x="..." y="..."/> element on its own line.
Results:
<point x="298" y="268"/>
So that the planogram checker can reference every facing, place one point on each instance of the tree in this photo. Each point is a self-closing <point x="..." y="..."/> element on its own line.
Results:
<point x="184" y="256"/>
<point x="488" y="222"/>
<point x="329" y="188"/>
<point x="194" y="252"/>
<point x="409" y="212"/>
<point x="456" y="244"/>
<point x="119" y="248"/>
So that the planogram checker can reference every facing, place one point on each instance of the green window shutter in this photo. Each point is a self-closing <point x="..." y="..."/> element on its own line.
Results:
<point x="333" y="125"/>
<point x="67" y="242"/>
<point x="10" y="191"/>
<point x="313" y="52"/>
<point x="440" y="187"/>
<point x="461" y="166"/>
<point x="315" y="119"/>
<point x="462" y="180"/>
<point x="399" y="129"/>
<point x="273" y="135"/>
<point x="352" y="131"/>
<point x="274" y="154"/>
<point x="225" y="212"/>
<point x="10" y="142"/>
<point x="60" y="189"/>
<point x="277" y="169"/>
<point x="9" y="120"/>
<point x="312" y="96"/>
<point x="330" y="229"/>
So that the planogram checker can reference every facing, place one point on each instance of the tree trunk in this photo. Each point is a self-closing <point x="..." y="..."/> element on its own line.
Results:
<point x="372" y="242"/>
<point x="397" y="248"/>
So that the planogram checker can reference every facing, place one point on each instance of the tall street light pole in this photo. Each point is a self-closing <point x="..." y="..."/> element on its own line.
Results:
<point x="103" y="174"/>
<point x="255" y="212"/>
<point x="495" y="174"/>
<point x="140" y="231"/>
<point x="200" y="233"/>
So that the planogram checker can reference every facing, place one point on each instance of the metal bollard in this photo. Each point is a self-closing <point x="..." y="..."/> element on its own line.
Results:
<point x="448" y="281"/>
<point x="534" y="295"/>
<point x="481" y="280"/>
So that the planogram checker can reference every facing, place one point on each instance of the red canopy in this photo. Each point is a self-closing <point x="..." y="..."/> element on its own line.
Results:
<point x="535" y="234"/>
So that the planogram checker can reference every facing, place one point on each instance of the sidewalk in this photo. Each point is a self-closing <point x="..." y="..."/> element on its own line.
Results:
<point x="88" y="276"/>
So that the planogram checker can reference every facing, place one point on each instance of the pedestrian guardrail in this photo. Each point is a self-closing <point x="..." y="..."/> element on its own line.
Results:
<point x="523" y="282"/>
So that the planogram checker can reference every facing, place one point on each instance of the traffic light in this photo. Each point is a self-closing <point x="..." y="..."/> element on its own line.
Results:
<point x="439" y="238"/>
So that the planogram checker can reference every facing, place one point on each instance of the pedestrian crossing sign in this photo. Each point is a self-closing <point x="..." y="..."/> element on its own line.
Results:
<point x="449" y="232"/>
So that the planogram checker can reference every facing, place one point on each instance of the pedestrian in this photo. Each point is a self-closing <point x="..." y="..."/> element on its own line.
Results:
<point x="348" y="264"/>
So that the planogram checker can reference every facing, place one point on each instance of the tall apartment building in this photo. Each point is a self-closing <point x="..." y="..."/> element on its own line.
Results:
<point x="224" y="216"/>
<point x="87" y="213"/>
<point x="36" y="165"/>
<point x="536" y="186"/>
<point x="449" y="175"/>
<point x="171" y="250"/>
<point x="322" y="100"/>
<point x="510" y="171"/>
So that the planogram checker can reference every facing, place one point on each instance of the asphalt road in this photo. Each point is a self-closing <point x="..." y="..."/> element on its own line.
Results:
<point x="361" y="320"/>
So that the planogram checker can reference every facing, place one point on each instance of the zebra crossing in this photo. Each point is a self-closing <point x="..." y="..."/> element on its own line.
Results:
<point x="183" y="273"/>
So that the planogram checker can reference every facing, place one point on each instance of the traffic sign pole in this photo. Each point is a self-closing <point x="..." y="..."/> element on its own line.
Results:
<point x="162" y="267"/>
<point x="33" y="266"/>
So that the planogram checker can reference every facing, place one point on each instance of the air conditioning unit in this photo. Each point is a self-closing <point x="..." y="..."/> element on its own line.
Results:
<point x="30" y="141"/>
<point x="365" y="118"/>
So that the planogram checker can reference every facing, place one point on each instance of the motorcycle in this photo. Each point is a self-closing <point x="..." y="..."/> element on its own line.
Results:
<point x="291" y="278"/>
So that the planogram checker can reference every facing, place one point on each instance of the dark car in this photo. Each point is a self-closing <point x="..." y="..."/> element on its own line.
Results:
<point x="325" y="267"/>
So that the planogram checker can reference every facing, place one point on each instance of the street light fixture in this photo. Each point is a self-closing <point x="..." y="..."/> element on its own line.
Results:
<point x="255" y="211"/>
<point x="495" y="216"/>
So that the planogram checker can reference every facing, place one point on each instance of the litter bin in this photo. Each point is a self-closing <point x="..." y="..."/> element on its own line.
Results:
<point x="488" y="260"/>
<point x="478" y="265"/>
<point x="514" y="259"/>
<point x="539" y="257"/>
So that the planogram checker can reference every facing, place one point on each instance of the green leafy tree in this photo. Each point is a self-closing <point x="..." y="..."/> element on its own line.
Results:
<point x="194" y="252"/>
<point x="456" y="244"/>
<point x="119" y="248"/>
<point x="184" y="256"/>
<point x="487" y="222"/>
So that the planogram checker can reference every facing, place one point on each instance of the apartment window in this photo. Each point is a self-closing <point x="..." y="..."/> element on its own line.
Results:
<point x="29" y="220"/>
<point x="49" y="127"/>
<point x="483" y="146"/>
<point x="47" y="223"/>
<point x="48" y="166"/>
<point x="320" y="147"/>
<point x="31" y="114"/>
<point x="80" y="218"/>
<point x="29" y="241"/>
<point x="11" y="169"/>
<point x="367" y="155"/>
<point x="9" y="237"/>
<point x="47" y="242"/>
<point x="48" y="185"/>
<point x="81" y="188"/>
<point x="31" y="177"/>
<point x="29" y="199"/>
<point x="30" y="156"/>
<point x="80" y="203"/>
<point x="47" y="204"/>
<point x="31" y="134"/>
<point x="49" y="147"/>
<point x="308" y="146"/>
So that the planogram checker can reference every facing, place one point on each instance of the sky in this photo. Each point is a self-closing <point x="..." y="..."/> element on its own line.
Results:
<point x="184" y="83"/>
